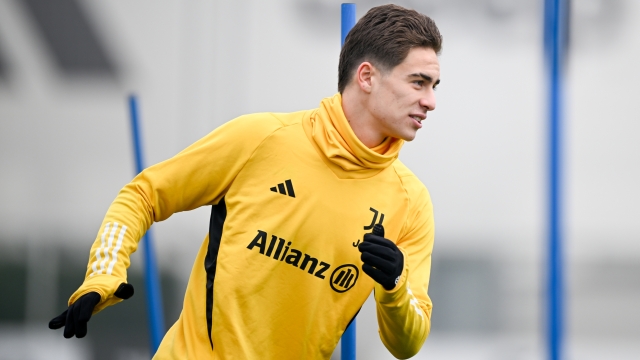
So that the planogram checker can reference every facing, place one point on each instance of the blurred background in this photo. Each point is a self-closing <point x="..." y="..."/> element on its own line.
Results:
<point x="67" y="66"/>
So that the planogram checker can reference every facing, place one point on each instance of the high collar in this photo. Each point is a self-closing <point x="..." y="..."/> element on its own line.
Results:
<point x="333" y="136"/>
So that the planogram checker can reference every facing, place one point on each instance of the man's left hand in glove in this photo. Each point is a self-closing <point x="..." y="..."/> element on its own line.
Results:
<point x="382" y="259"/>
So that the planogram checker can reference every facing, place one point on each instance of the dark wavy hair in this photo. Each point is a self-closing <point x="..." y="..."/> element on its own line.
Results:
<point x="384" y="37"/>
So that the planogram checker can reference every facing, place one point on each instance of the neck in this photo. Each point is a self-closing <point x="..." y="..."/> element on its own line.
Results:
<point x="354" y="105"/>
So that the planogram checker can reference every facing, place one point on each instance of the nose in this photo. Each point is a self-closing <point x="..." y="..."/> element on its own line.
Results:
<point x="428" y="101"/>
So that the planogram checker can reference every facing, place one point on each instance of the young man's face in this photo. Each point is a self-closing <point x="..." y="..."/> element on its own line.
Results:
<point x="401" y="97"/>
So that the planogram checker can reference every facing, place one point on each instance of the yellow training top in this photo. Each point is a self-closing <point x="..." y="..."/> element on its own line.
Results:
<point x="279" y="275"/>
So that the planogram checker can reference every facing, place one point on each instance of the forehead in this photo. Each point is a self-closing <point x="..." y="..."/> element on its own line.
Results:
<point x="419" y="60"/>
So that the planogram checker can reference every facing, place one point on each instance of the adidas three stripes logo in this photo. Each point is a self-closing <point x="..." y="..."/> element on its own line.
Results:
<point x="107" y="253"/>
<point x="285" y="188"/>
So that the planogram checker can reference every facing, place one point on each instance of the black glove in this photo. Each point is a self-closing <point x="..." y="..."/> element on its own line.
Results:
<point x="75" y="318"/>
<point x="382" y="259"/>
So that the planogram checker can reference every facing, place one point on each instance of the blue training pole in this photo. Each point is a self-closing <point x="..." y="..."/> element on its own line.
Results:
<point x="555" y="41"/>
<point x="348" y="20"/>
<point x="151" y="278"/>
<point x="348" y="348"/>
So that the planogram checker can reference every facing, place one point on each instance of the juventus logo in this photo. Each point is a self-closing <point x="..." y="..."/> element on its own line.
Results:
<point x="375" y="217"/>
<point x="373" y="222"/>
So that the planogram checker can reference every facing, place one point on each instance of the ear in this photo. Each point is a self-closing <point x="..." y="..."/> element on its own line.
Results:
<point x="364" y="73"/>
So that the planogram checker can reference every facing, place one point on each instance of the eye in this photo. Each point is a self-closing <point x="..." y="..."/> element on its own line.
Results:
<point x="435" y="87"/>
<point x="420" y="83"/>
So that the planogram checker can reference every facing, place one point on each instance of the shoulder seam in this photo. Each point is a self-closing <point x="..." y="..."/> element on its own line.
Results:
<point x="282" y="126"/>
<point x="410" y="200"/>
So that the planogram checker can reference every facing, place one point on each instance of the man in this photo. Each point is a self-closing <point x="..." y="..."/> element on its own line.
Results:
<point x="294" y="199"/>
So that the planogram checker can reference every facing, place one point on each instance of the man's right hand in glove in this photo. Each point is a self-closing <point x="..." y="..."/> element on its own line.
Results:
<point x="76" y="317"/>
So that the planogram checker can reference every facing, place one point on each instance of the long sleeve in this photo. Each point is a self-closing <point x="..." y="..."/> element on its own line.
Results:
<point x="404" y="313"/>
<point x="199" y="175"/>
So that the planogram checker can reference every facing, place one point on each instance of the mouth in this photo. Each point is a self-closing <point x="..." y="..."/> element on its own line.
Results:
<point x="418" y="119"/>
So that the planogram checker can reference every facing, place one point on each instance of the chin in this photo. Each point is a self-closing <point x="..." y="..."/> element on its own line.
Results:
<point x="407" y="137"/>
<point x="403" y="134"/>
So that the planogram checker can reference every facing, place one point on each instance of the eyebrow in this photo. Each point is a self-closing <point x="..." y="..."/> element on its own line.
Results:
<point x="426" y="77"/>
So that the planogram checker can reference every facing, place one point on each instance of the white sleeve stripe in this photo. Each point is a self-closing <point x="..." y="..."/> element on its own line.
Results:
<point x="106" y="250"/>
<point x="413" y="301"/>
<point x="98" y="257"/>
<point x="114" y="254"/>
